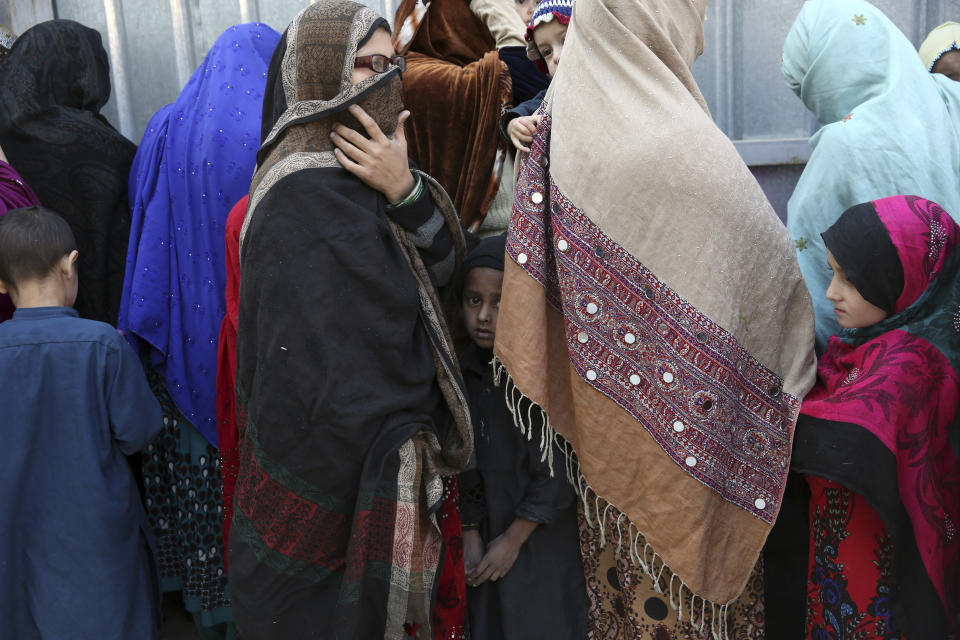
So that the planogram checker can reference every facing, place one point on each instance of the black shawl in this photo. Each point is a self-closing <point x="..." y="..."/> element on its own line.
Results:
<point x="349" y="400"/>
<point x="53" y="84"/>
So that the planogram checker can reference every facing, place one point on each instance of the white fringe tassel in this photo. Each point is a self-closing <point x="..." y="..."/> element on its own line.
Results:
<point x="602" y="510"/>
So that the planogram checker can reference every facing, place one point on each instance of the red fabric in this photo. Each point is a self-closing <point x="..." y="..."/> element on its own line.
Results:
<point x="865" y="386"/>
<point x="450" y="608"/>
<point x="227" y="432"/>
<point x="850" y="570"/>
<point x="301" y="529"/>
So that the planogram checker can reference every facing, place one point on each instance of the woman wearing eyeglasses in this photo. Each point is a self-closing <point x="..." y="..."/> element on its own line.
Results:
<point x="351" y="410"/>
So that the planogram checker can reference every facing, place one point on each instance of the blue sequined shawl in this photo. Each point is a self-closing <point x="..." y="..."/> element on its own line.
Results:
<point x="193" y="164"/>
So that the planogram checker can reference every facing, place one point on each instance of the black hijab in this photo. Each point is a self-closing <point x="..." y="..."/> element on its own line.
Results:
<point x="53" y="84"/>
<point x="862" y="247"/>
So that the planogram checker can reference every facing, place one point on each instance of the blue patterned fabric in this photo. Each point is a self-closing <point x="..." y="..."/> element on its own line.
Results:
<point x="889" y="128"/>
<point x="193" y="164"/>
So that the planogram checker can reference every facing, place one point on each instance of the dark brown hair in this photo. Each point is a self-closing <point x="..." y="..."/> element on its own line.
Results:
<point x="32" y="241"/>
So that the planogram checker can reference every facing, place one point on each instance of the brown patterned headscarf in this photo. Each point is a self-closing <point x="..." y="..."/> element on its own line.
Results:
<point x="309" y="90"/>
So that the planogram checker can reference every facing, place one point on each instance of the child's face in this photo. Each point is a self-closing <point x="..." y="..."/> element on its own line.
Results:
<point x="525" y="9"/>
<point x="852" y="311"/>
<point x="948" y="65"/>
<point x="549" y="37"/>
<point x="481" y="303"/>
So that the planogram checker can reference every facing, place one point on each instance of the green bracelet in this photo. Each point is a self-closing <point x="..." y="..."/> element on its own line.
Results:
<point x="414" y="194"/>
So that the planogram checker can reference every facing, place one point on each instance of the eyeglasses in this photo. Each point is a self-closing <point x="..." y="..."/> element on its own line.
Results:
<point x="378" y="63"/>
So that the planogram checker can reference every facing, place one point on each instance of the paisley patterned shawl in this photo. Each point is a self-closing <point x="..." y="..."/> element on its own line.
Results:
<point x="349" y="401"/>
<point x="882" y="418"/>
<point x="652" y="306"/>
<point x="311" y="90"/>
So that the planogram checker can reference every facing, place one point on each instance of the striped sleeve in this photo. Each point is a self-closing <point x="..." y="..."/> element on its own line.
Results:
<point x="424" y="224"/>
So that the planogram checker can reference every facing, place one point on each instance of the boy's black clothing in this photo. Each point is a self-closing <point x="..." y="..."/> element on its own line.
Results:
<point x="543" y="595"/>
<point x="526" y="78"/>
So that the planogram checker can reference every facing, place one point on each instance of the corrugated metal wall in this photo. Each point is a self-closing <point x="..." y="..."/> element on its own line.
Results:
<point x="739" y="73"/>
<point x="154" y="46"/>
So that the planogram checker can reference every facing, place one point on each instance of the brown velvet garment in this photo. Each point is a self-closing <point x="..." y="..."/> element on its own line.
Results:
<point x="448" y="31"/>
<point x="456" y="88"/>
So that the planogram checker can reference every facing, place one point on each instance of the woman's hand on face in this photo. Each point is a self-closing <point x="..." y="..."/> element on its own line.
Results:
<point x="379" y="161"/>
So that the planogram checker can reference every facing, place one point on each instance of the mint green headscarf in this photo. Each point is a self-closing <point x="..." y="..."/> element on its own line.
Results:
<point x="889" y="128"/>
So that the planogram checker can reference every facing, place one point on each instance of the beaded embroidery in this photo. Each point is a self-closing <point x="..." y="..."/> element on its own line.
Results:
<point x="713" y="408"/>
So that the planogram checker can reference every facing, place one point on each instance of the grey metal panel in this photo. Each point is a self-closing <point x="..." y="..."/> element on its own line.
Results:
<point x="740" y="71"/>
<point x="155" y="45"/>
<point x="22" y="14"/>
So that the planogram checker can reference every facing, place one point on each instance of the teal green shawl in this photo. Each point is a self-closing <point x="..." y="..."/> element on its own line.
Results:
<point x="889" y="128"/>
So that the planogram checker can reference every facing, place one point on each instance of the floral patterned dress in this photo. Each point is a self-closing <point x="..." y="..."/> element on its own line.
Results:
<point x="851" y="567"/>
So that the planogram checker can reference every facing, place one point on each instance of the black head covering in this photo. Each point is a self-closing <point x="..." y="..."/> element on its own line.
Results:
<point x="274" y="102"/>
<point x="488" y="253"/>
<point x="56" y="79"/>
<point x="527" y="79"/>
<point x="862" y="247"/>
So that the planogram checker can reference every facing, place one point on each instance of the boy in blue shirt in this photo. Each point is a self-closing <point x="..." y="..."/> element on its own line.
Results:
<point x="76" y="556"/>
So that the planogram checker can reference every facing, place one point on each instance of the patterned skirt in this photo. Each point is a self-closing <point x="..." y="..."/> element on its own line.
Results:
<point x="183" y="494"/>
<point x="851" y="567"/>
<point x="625" y="605"/>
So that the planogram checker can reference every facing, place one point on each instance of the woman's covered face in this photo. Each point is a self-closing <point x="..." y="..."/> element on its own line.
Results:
<point x="378" y="44"/>
<point x="948" y="65"/>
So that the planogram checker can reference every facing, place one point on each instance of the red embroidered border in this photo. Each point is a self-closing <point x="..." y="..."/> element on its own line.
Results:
<point x="713" y="408"/>
<point x="303" y="530"/>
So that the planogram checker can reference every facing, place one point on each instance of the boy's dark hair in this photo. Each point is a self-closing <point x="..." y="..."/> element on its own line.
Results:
<point x="32" y="241"/>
